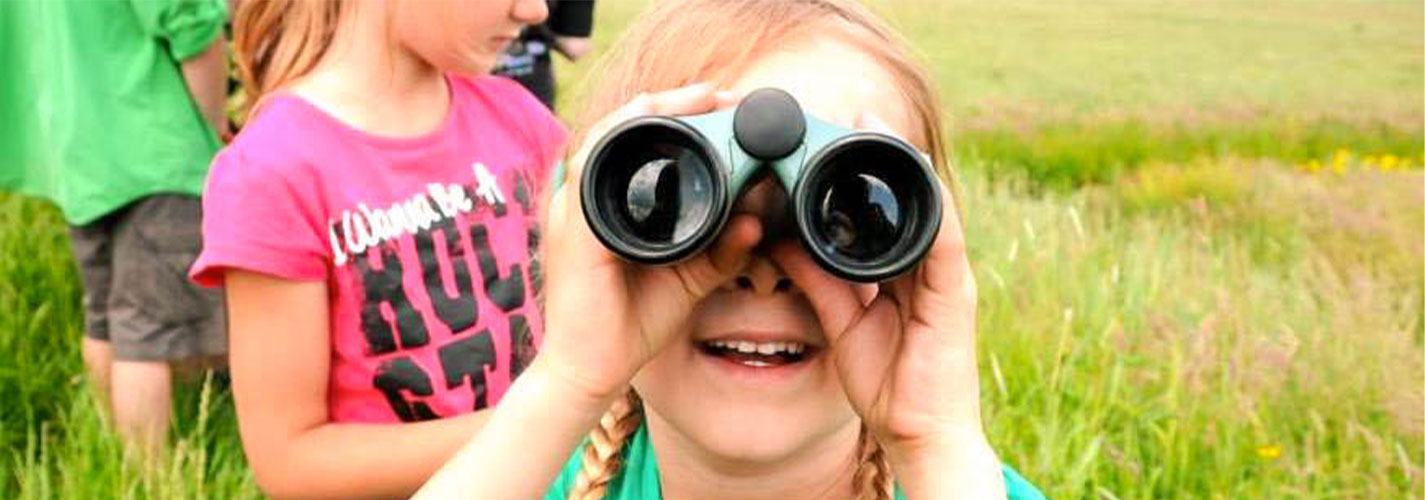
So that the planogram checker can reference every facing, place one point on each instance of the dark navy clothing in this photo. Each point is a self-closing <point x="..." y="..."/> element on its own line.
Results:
<point x="528" y="59"/>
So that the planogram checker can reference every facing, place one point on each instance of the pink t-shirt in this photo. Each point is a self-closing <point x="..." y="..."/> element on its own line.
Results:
<point x="426" y="244"/>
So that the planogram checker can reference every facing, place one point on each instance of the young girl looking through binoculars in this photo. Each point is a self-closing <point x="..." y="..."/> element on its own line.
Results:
<point x="747" y="368"/>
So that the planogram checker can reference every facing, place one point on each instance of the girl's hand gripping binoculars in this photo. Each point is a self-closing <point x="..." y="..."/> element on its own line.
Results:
<point x="658" y="189"/>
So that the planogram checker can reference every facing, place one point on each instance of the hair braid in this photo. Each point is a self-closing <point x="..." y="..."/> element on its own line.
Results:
<point x="603" y="455"/>
<point x="873" y="479"/>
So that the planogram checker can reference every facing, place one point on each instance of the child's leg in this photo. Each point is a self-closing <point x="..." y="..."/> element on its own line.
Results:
<point x="142" y="401"/>
<point x="99" y="362"/>
<point x="92" y="246"/>
<point x="156" y="316"/>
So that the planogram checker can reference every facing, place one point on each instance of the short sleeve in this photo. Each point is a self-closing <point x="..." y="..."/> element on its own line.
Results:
<point x="1015" y="487"/>
<point x="188" y="27"/>
<point x="256" y="218"/>
<point x="1018" y="488"/>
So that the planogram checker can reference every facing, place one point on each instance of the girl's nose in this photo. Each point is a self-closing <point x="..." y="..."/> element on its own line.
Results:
<point x="764" y="277"/>
<point x="529" y="11"/>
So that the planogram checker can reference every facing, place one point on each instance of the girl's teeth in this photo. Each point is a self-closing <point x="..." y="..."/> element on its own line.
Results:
<point x="756" y="364"/>
<point x="763" y="348"/>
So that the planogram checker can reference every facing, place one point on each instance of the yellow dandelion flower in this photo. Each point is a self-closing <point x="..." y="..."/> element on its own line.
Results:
<point x="1269" y="452"/>
<point x="1313" y="166"/>
<point x="1388" y="163"/>
<point x="1338" y="160"/>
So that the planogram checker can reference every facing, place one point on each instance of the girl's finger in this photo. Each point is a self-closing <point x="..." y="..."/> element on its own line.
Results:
<point x="693" y="99"/>
<point x="946" y="266"/>
<point x="836" y="303"/>
<point x="727" y="257"/>
<point x="570" y="238"/>
<point x="726" y="98"/>
<point x="870" y="122"/>
<point x="867" y="292"/>
<point x="729" y="254"/>
<point x="942" y="291"/>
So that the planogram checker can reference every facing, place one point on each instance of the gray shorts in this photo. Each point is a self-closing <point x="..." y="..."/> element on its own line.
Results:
<point x="134" y="267"/>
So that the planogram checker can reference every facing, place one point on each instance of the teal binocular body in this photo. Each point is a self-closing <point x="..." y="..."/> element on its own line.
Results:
<point x="659" y="189"/>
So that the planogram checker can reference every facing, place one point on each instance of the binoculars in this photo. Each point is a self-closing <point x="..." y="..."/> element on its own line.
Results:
<point x="659" y="189"/>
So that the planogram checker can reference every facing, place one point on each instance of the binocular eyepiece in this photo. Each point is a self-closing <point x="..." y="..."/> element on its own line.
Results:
<point x="659" y="189"/>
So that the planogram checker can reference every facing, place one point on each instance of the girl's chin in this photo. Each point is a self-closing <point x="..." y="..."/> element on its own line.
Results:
<point x="470" y="63"/>
<point x="761" y="438"/>
<point x="741" y="444"/>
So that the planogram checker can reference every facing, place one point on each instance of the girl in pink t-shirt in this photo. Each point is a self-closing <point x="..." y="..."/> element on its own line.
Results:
<point x="374" y="226"/>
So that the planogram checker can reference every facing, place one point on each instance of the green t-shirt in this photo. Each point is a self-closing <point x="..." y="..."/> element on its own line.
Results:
<point x="639" y="478"/>
<point x="94" y="111"/>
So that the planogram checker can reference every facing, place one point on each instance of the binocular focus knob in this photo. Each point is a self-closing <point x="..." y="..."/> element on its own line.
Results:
<point x="768" y="124"/>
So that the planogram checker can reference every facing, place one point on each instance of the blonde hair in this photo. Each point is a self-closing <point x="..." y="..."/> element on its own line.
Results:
<point x="679" y="42"/>
<point x="277" y="41"/>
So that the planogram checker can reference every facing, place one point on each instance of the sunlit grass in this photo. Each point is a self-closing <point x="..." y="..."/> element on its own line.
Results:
<point x="1253" y="345"/>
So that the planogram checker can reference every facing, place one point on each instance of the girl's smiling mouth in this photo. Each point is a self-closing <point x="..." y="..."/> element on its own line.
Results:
<point x="757" y="354"/>
<point x="762" y="353"/>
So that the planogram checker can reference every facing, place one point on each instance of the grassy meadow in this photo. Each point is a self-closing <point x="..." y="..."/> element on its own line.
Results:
<point x="1197" y="226"/>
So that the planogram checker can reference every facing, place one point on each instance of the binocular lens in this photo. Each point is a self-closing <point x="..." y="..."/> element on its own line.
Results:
<point x="655" y="186"/>
<point x="859" y="215"/>
<point x="869" y="207"/>
<point x="667" y="196"/>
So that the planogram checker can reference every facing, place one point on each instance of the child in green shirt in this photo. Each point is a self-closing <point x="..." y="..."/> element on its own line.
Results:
<point x="112" y="110"/>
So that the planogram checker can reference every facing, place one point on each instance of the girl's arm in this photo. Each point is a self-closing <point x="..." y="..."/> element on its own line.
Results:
<point x="538" y="423"/>
<point x="280" y="355"/>
<point x="604" y="320"/>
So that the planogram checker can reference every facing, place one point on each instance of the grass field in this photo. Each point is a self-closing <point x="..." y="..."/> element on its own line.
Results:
<point x="1198" y="229"/>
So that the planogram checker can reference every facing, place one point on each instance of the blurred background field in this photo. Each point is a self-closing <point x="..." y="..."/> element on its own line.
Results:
<point x="1198" y="229"/>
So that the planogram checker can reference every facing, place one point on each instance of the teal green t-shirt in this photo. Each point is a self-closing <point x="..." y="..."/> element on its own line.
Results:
<point x="639" y="479"/>
<point x="94" y="111"/>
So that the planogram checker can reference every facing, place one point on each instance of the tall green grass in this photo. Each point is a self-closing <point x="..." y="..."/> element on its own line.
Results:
<point x="53" y="443"/>
<point x="39" y="313"/>
<point x="1260" y="344"/>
